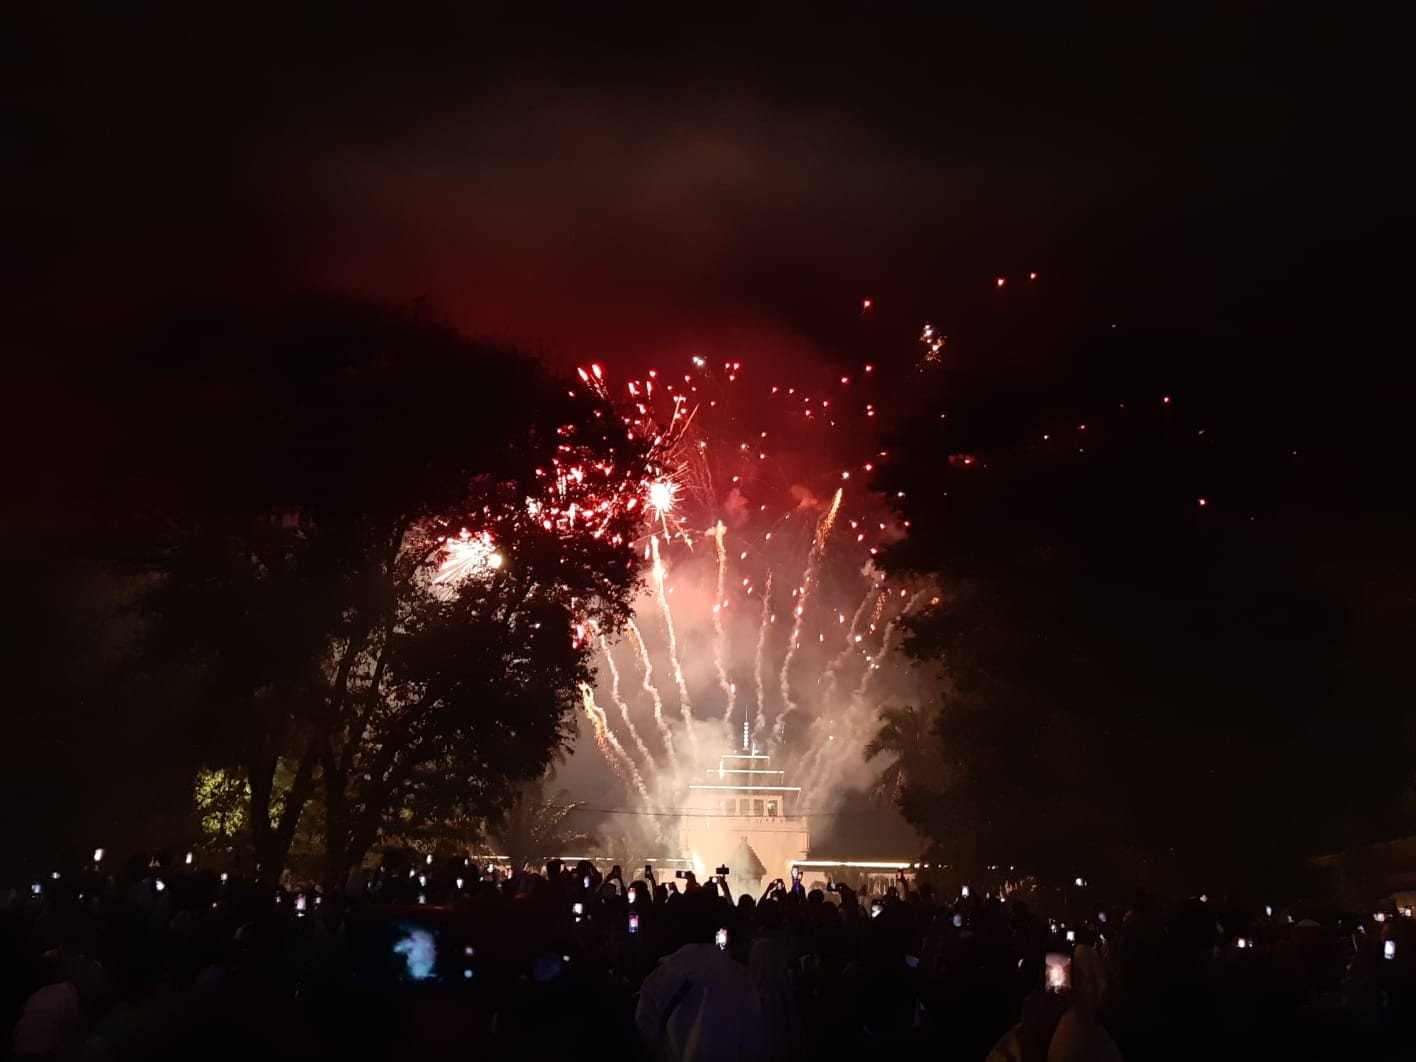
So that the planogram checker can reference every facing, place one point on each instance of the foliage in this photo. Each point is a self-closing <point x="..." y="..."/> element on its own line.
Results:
<point x="1117" y="651"/>
<point x="534" y="828"/>
<point x="903" y="737"/>
<point x="353" y="443"/>
<point x="221" y="798"/>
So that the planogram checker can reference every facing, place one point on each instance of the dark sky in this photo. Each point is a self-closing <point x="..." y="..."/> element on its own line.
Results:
<point x="627" y="186"/>
<point x="627" y="182"/>
<point x="1231" y="190"/>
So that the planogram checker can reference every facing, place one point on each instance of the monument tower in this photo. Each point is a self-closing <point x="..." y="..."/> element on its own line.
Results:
<point x="744" y="815"/>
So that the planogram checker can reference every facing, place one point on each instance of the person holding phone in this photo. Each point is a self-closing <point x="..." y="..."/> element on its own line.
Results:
<point x="700" y="1002"/>
<point x="1059" y="1022"/>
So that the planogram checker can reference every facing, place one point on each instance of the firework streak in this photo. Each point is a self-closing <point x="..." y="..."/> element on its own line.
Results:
<point x="685" y="706"/>
<point x="620" y="703"/>
<point x="664" y="732"/>
<point x="833" y="670"/>
<point x="610" y="746"/>
<point x="816" y="765"/>
<point x="761" y="664"/>
<point x="728" y="688"/>
<point x="813" y="563"/>
<point x="886" y="644"/>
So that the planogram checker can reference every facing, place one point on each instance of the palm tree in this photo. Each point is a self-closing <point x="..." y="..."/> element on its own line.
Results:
<point x="534" y="827"/>
<point x="903" y="735"/>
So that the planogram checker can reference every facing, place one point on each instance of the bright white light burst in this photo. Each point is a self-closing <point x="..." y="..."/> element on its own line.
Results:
<point x="468" y="554"/>
<point x="662" y="494"/>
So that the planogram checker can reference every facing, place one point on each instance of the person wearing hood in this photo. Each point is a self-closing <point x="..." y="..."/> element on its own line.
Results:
<point x="699" y="1004"/>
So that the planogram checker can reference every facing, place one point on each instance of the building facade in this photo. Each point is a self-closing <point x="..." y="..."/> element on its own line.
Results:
<point x="743" y="814"/>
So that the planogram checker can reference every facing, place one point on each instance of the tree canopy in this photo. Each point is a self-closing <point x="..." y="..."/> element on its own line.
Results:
<point x="376" y="543"/>
<point x="1143" y="640"/>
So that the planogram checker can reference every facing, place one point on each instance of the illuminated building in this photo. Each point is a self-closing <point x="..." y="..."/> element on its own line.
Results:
<point x="743" y="814"/>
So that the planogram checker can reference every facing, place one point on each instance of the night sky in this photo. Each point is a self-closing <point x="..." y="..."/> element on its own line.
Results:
<point x="1217" y="209"/>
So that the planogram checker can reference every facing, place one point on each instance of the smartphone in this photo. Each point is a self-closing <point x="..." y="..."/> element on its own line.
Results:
<point x="1058" y="972"/>
<point x="300" y="903"/>
<point x="796" y="873"/>
<point x="680" y="874"/>
<point x="648" y="872"/>
<point x="1071" y="936"/>
<point x="577" y="909"/>
<point x="417" y="947"/>
<point x="876" y="907"/>
<point x="964" y="892"/>
<point x="720" y="938"/>
<point x="722" y="872"/>
<point x="958" y="921"/>
<point x="631" y="895"/>
<point x="1242" y="943"/>
<point x="634" y="923"/>
<point x="585" y="881"/>
<point x="1389" y="949"/>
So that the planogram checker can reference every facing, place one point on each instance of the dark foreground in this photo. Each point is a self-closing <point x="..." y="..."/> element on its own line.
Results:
<point x="188" y="966"/>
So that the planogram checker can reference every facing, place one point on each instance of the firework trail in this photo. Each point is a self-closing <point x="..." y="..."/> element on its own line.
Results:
<point x="610" y="746"/>
<point x="877" y="612"/>
<point x="813" y="563"/>
<point x="595" y="380"/>
<point x="692" y="453"/>
<point x="685" y="707"/>
<point x="833" y="670"/>
<point x="620" y="703"/>
<point x="816" y="763"/>
<point x="887" y="643"/>
<point x="761" y="668"/>
<point x="587" y="702"/>
<point x="728" y="688"/>
<point x="664" y="732"/>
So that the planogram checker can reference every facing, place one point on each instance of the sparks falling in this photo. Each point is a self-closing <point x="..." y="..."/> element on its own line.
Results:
<point x="665" y="733"/>
<point x="728" y="688"/>
<point x="685" y="705"/>
<point x="808" y="583"/>
<point x="711" y="468"/>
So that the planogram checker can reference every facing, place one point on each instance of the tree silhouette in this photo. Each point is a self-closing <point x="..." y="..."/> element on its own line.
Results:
<point x="330" y="452"/>
<point x="534" y="828"/>
<point x="904" y="737"/>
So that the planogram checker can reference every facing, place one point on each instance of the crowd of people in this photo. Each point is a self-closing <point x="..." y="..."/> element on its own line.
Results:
<point x="450" y="959"/>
